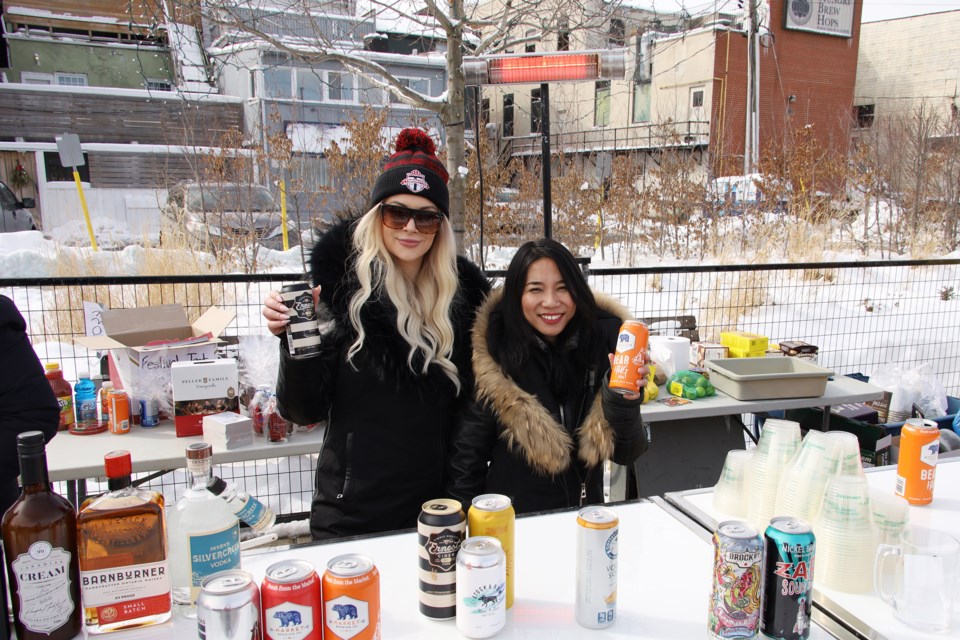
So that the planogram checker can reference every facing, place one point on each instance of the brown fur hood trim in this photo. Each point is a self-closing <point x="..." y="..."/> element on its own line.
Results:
<point x="527" y="426"/>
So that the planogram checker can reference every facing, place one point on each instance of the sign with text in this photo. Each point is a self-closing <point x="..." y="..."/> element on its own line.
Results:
<point x="827" y="17"/>
<point x="93" y="318"/>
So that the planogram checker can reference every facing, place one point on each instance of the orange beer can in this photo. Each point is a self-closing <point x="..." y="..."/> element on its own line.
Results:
<point x="628" y="356"/>
<point x="917" y="467"/>
<point x="119" y="412"/>
<point x="351" y="599"/>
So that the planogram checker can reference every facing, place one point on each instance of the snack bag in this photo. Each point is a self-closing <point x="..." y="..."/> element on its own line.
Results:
<point x="689" y="385"/>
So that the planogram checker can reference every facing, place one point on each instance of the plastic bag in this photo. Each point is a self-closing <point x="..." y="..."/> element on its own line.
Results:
<point x="689" y="385"/>
<point x="917" y="386"/>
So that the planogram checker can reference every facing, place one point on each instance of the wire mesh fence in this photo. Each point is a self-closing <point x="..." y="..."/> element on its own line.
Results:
<point x="865" y="317"/>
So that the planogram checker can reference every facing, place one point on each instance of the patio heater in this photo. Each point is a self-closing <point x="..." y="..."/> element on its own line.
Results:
<point x="545" y="68"/>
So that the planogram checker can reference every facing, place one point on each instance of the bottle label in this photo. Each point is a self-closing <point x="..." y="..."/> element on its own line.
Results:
<point x="66" y="411"/>
<point x="86" y="409"/>
<point x="214" y="551"/>
<point x="127" y="593"/>
<point x="43" y="587"/>
<point x="252" y="512"/>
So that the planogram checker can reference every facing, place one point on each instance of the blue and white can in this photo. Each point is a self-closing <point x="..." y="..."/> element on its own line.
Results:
<point x="597" y="549"/>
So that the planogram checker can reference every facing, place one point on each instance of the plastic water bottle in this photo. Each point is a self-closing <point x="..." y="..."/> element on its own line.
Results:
<point x="85" y="395"/>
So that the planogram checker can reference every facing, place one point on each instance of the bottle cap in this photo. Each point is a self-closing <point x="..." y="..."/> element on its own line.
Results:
<point x="107" y="385"/>
<point x="30" y="442"/>
<point x="52" y="366"/>
<point x="117" y="464"/>
<point x="199" y="451"/>
<point x="83" y="374"/>
<point x="216" y="486"/>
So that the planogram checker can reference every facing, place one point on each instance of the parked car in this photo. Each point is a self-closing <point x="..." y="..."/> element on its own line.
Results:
<point x="217" y="214"/>
<point x="15" y="214"/>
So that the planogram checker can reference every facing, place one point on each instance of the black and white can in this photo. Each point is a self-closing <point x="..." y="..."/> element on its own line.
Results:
<point x="597" y="548"/>
<point x="228" y="607"/>
<point x="303" y="331"/>
<point x="441" y="529"/>
<point x="481" y="587"/>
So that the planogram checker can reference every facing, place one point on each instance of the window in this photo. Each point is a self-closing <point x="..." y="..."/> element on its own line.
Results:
<point x="30" y="77"/>
<point x="71" y="79"/>
<point x="641" y="102"/>
<point x="158" y="85"/>
<point x="420" y="85"/>
<point x="340" y="86"/>
<point x="696" y="98"/>
<point x="618" y="33"/>
<point x="601" y="115"/>
<point x="276" y="82"/>
<point x="56" y="172"/>
<point x="309" y="85"/>
<point x="530" y="47"/>
<point x="563" y="37"/>
<point x="536" y="111"/>
<point x="508" y="115"/>
<point x="865" y="113"/>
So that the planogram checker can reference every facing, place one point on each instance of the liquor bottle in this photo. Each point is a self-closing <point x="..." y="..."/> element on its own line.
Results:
<point x="204" y="534"/>
<point x="40" y="540"/>
<point x="124" y="576"/>
<point x="63" y="391"/>
<point x="254" y="513"/>
<point x="87" y="421"/>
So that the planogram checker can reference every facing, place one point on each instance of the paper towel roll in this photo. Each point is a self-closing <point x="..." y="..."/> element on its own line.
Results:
<point x="672" y="353"/>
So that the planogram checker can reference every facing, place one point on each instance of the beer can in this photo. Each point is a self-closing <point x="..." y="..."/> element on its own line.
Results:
<point x="351" y="599"/>
<point x="441" y="528"/>
<point x="628" y="356"/>
<point x="290" y="600"/>
<point x="149" y="412"/>
<point x="789" y="547"/>
<point x="917" y="466"/>
<point x="119" y="412"/>
<point x="228" y="607"/>
<point x="303" y="330"/>
<point x="491" y="514"/>
<point x="481" y="587"/>
<point x="737" y="566"/>
<point x="595" y="606"/>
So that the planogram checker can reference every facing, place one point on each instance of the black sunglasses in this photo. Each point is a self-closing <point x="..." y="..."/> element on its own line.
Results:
<point x="396" y="216"/>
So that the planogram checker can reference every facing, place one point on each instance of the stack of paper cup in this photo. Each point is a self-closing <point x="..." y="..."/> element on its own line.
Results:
<point x="730" y="494"/>
<point x="846" y="454"/>
<point x="778" y="443"/>
<point x="891" y="514"/>
<point x="846" y="536"/>
<point x="805" y="477"/>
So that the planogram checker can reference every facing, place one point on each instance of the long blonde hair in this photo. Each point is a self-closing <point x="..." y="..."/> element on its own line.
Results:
<point x="423" y="305"/>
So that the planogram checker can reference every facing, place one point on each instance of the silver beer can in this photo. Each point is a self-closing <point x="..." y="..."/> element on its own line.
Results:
<point x="228" y="607"/>
<point x="303" y="331"/>
<point x="481" y="587"/>
<point x="597" y="546"/>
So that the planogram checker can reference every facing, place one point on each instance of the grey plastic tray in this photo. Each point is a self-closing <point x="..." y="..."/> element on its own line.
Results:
<point x="768" y="378"/>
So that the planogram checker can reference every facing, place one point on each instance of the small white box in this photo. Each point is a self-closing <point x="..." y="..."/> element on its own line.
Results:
<point x="227" y="430"/>
<point x="202" y="388"/>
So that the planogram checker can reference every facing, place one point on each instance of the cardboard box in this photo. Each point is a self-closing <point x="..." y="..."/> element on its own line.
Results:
<point x="856" y="411"/>
<point x="143" y="342"/>
<point x="201" y="389"/>
<point x="701" y="352"/>
<point x="228" y="430"/>
<point x="874" y="439"/>
<point x="797" y="347"/>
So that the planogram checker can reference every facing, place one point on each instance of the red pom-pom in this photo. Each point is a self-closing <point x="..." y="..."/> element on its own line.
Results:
<point x="412" y="138"/>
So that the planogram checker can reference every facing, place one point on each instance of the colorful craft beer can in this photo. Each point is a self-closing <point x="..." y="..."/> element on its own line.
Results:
<point x="917" y="467"/>
<point x="290" y="600"/>
<point x="737" y="565"/>
<point x="441" y="528"/>
<point x="628" y="355"/>
<point x="597" y="548"/>
<point x="228" y="607"/>
<point x="491" y="514"/>
<point x="481" y="587"/>
<point x="351" y="599"/>
<point x="303" y="330"/>
<point x="788" y="556"/>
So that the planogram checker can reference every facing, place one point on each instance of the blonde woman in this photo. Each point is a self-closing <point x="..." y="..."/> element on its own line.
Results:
<point x="395" y="359"/>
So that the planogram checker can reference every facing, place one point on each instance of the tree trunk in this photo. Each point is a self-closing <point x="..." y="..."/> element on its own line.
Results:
<point x="453" y="117"/>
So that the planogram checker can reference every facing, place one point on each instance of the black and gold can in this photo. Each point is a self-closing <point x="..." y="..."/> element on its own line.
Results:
<point x="441" y="529"/>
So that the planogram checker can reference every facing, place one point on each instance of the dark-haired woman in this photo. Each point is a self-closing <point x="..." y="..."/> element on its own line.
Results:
<point x="543" y="420"/>
<point x="398" y="305"/>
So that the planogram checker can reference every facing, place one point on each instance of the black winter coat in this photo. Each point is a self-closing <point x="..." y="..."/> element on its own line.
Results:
<point x="385" y="447"/>
<point x="545" y="450"/>
<point x="27" y="402"/>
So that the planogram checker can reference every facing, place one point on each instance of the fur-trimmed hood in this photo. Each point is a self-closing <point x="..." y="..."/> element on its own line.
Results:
<point x="527" y="425"/>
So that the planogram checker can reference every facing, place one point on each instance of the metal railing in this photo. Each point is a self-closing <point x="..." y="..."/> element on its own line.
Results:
<point x="863" y="316"/>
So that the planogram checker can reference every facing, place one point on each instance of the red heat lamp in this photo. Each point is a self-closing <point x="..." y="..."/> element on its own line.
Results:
<point x="549" y="67"/>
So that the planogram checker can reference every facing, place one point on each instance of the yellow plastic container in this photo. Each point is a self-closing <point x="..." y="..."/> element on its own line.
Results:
<point x="742" y="353"/>
<point x="743" y="342"/>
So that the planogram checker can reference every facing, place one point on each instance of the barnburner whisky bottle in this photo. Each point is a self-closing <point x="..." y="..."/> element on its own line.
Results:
<point x="124" y="578"/>
<point x="40" y="539"/>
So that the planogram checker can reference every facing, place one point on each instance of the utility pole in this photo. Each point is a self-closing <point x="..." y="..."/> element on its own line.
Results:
<point x="751" y="139"/>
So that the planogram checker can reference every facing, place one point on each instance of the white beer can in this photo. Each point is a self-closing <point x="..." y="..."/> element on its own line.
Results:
<point x="481" y="587"/>
<point x="596" y="599"/>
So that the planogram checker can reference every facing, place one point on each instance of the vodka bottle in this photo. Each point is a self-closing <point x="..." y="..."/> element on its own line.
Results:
<point x="204" y="534"/>
<point x="125" y="582"/>
<point x="250" y="510"/>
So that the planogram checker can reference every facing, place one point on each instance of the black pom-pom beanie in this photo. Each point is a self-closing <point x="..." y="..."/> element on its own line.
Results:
<point x="414" y="168"/>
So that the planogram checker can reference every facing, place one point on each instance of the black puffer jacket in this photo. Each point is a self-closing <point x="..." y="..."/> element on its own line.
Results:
<point x="27" y="402"/>
<point x="385" y="448"/>
<point x="545" y="449"/>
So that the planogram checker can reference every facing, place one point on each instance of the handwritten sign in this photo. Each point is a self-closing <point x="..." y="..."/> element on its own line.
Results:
<point x="93" y="318"/>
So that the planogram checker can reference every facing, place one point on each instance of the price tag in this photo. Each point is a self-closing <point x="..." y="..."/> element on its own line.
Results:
<point x="93" y="318"/>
